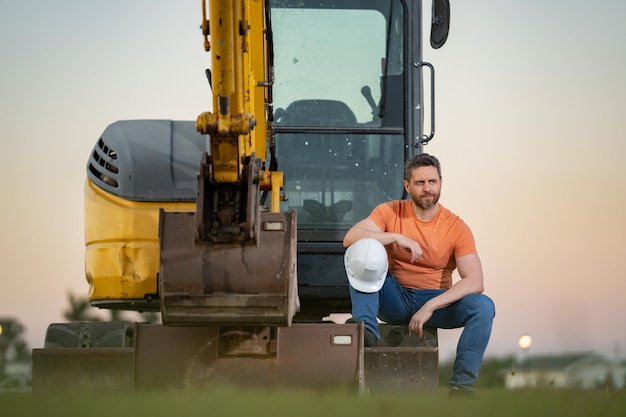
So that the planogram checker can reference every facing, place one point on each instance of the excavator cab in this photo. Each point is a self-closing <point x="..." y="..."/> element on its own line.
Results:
<point x="339" y="100"/>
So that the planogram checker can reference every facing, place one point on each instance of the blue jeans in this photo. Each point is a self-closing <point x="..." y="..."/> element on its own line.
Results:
<point x="395" y="304"/>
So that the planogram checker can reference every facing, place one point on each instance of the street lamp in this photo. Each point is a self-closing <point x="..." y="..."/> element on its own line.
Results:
<point x="525" y="341"/>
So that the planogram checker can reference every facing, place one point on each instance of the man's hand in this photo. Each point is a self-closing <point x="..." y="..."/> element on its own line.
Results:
<point x="410" y="246"/>
<point x="416" y="325"/>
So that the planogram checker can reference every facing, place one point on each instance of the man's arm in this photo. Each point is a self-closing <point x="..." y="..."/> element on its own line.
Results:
<point x="367" y="228"/>
<point x="471" y="282"/>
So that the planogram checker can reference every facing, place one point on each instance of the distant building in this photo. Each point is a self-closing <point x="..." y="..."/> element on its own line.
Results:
<point x="18" y="368"/>
<point x="577" y="370"/>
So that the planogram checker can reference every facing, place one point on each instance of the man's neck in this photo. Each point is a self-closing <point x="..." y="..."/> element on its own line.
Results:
<point x="425" y="215"/>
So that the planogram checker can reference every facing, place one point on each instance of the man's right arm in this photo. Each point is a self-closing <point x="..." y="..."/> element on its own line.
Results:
<point x="367" y="228"/>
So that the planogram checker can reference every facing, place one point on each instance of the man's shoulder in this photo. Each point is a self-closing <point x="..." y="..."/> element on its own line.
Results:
<point x="446" y="213"/>
<point x="389" y="211"/>
<point x="454" y="220"/>
<point x="396" y="206"/>
<point x="449" y="216"/>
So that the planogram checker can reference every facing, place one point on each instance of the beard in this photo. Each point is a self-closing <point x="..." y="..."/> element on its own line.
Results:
<point x="425" y="203"/>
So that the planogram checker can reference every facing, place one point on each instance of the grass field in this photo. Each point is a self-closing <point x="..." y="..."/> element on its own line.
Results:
<point x="275" y="403"/>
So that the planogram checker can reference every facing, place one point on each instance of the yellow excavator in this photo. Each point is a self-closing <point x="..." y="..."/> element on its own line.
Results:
<point x="231" y="227"/>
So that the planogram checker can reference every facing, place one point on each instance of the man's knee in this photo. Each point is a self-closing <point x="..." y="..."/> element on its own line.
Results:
<point x="482" y="304"/>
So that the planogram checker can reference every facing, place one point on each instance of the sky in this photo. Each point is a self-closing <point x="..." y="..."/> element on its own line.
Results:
<point x="530" y="131"/>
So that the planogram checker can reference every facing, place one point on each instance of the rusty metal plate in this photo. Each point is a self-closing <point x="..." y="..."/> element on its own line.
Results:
<point x="401" y="369"/>
<point x="302" y="355"/>
<point x="228" y="283"/>
<point x="169" y="357"/>
<point x="79" y="369"/>
<point x="321" y="354"/>
<point x="403" y="362"/>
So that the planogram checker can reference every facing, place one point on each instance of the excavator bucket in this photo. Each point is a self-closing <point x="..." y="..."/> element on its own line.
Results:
<point x="238" y="283"/>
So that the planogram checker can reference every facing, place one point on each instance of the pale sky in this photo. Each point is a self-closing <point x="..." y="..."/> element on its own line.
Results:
<point x="529" y="129"/>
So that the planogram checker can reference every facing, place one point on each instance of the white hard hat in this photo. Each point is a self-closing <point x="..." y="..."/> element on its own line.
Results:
<point x="366" y="265"/>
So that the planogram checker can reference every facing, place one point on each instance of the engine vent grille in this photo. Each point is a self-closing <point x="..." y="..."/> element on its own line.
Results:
<point x="102" y="164"/>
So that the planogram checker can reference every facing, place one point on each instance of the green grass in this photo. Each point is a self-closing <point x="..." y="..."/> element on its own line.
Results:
<point x="300" y="403"/>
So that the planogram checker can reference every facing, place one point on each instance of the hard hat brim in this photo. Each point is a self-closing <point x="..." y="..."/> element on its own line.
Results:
<point x="363" y="287"/>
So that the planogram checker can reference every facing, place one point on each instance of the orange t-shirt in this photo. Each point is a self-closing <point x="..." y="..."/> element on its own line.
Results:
<point x="442" y="239"/>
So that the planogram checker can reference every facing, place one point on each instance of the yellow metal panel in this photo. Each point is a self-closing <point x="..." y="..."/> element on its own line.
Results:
<point x="253" y="62"/>
<point x="122" y="244"/>
<point x="223" y="50"/>
<point x="124" y="270"/>
<point x="257" y="74"/>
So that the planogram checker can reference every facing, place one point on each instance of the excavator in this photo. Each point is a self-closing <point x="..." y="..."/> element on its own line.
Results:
<point x="231" y="227"/>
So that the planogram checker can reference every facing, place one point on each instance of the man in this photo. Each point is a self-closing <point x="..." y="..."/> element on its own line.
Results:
<point x="425" y="242"/>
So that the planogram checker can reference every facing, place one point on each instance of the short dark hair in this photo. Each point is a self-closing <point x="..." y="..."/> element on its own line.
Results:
<point x="421" y="160"/>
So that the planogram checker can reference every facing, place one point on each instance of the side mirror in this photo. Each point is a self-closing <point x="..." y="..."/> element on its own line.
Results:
<point x="440" y="23"/>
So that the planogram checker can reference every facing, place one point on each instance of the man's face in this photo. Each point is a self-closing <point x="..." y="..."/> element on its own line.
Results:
<point x="424" y="187"/>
